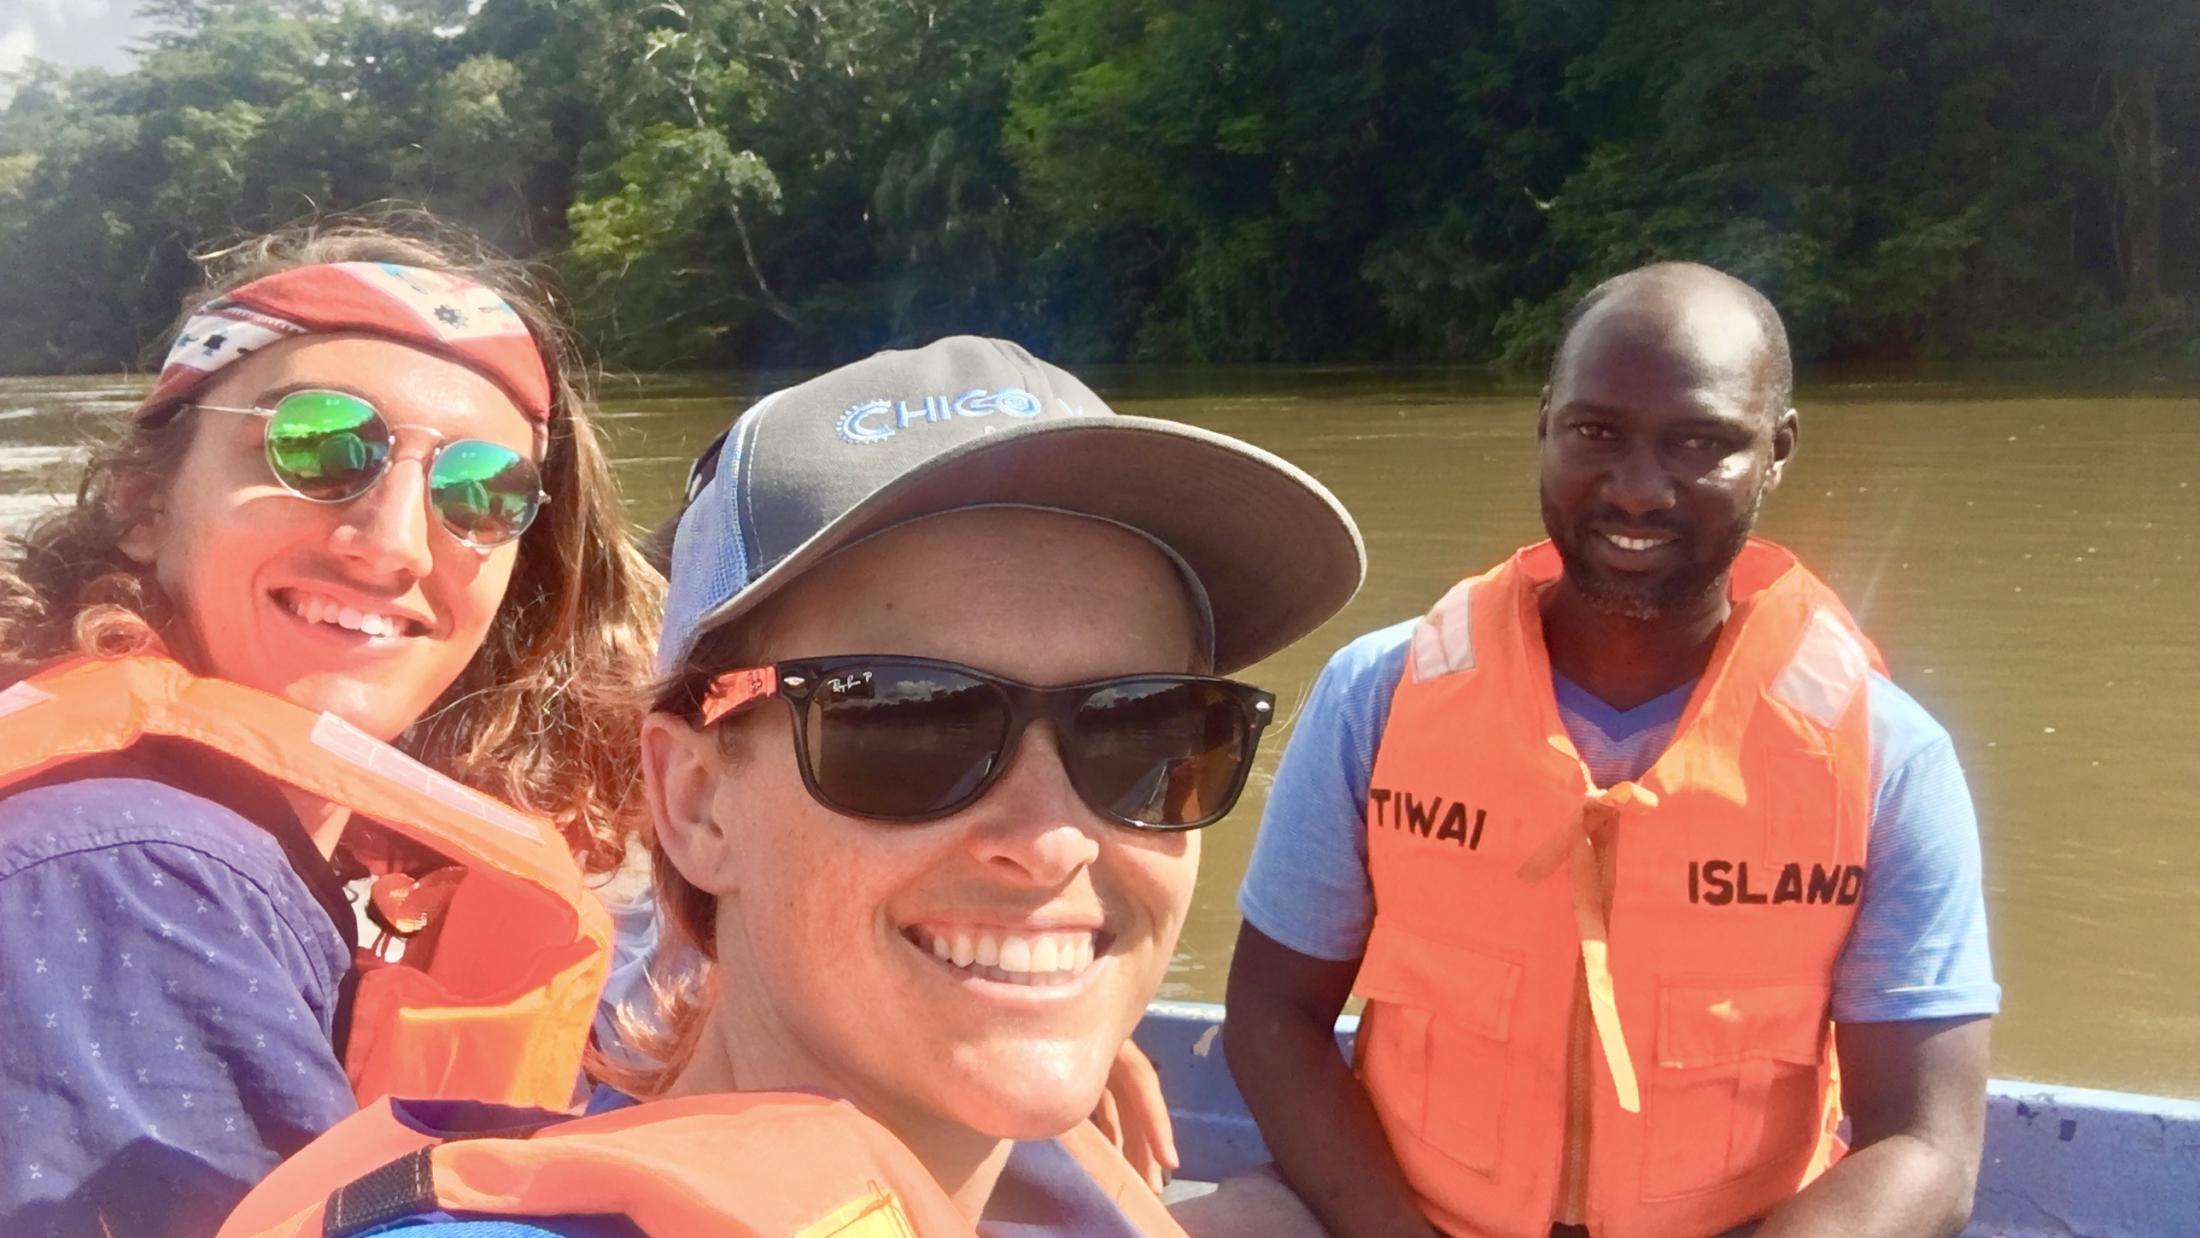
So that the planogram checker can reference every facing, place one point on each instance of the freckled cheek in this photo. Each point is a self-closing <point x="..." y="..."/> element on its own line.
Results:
<point x="1158" y="880"/>
<point x="816" y="883"/>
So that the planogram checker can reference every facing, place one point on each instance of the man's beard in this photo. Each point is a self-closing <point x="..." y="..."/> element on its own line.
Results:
<point x="1646" y="599"/>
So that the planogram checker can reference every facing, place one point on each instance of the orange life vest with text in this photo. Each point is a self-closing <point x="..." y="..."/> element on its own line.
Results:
<point x="771" y="1164"/>
<point x="496" y="1003"/>
<point x="1609" y="1005"/>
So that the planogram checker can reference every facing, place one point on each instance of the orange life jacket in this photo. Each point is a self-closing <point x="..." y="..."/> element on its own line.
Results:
<point x="1631" y="1032"/>
<point x="774" y="1164"/>
<point x="499" y="1007"/>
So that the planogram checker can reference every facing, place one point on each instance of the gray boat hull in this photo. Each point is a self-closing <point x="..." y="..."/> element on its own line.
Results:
<point x="2060" y="1162"/>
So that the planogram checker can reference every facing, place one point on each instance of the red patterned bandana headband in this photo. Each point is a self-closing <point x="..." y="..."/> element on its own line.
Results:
<point x="441" y="313"/>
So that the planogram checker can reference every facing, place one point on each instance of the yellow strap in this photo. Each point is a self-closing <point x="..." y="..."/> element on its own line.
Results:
<point x="876" y="1215"/>
<point x="1597" y="970"/>
<point x="1599" y="810"/>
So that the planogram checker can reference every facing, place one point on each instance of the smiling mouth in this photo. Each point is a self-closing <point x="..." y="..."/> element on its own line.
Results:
<point x="321" y="609"/>
<point x="1638" y="544"/>
<point x="1038" y="959"/>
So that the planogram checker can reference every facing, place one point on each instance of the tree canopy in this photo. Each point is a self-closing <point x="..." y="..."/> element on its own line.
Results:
<point x="745" y="181"/>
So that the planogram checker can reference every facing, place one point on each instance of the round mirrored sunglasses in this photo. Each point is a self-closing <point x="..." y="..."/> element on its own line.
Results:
<point x="332" y="447"/>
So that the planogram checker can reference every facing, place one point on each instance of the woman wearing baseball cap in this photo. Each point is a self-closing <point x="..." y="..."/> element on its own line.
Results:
<point x="363" y="506"/>
<point x="941" y="709"/>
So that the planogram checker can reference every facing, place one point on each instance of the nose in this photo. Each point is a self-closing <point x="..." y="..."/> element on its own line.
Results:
<point x="1639" y="483"/>
<point x="385" y="530"/>
<point x="1036" y="829"/>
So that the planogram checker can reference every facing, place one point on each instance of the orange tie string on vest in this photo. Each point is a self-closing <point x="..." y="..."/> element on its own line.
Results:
<point x="1575" y="841"/>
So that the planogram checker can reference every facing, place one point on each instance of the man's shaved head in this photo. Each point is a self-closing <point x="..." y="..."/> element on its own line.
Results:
<point x="1668" y="288"/>
<point x="1665" y="424"/>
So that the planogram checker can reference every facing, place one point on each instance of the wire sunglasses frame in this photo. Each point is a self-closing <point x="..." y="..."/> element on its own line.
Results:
<point x="441" y="444"/>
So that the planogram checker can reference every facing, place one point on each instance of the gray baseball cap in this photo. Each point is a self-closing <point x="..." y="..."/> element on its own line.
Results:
<point x="969" y="422"/>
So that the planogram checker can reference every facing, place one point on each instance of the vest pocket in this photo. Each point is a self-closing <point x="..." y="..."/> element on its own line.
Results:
<point x="1432" y="1048"/>
<point x="1736" y="1086"/>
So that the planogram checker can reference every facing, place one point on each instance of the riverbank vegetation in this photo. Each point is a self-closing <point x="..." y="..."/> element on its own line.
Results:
<point x="741" y="181"/>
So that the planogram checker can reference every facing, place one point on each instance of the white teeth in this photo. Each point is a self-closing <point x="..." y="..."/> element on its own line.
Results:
<point x="1633" y="543"/>
<point x="1034" y="955"/>
<point x="314" y="608"/>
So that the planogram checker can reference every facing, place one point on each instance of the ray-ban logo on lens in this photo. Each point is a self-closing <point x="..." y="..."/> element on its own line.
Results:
<point x="875" y="421"/>
<point x="846" y="684"/>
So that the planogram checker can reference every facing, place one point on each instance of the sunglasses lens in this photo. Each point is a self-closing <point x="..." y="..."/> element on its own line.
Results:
<point x="1164" y="753"/>
<point x="326" y="445"/>
<point x="485" y="493"/>
<point x="903" y="741"/>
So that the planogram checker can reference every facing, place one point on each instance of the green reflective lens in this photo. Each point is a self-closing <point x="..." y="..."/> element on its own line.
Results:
<point x="326" y="445"/>
<point x="485" y="492"/>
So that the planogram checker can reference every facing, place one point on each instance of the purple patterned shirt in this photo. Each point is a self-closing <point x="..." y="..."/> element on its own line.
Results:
<point x="168" y="989"/>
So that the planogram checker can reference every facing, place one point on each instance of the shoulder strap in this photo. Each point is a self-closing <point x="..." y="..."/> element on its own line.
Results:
<point x="403" y="1188"/>
<point x="1104" y="1164"/>
<point x="90" y="706"/>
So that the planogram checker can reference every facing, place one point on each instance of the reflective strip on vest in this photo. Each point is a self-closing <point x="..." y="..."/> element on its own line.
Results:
<point x="1443" y="642"/>
<point x="21" y="697"/>
<point x="340" y="738"/>
<point x="1828" y="668"/>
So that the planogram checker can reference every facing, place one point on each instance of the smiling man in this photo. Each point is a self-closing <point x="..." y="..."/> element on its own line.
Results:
<point x="1625" y="843"/>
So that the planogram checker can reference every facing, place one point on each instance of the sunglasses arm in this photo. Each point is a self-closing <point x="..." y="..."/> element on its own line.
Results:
<point x="737" y="690"/>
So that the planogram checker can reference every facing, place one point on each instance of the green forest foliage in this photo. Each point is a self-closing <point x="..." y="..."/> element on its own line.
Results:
<point x="742" y="181"/>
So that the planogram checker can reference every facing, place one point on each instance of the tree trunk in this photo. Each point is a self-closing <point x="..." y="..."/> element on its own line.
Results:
<point x="2135" y="134"/>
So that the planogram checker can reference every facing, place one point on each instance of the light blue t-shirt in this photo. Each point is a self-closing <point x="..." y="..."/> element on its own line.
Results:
<point x="1918" y="947"/>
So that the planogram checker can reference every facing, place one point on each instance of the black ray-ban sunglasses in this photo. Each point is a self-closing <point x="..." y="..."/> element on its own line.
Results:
<point x="912" y="739"/>
<point x="332" y="447"/>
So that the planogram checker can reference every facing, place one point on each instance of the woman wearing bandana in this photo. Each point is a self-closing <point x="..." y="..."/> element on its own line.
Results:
<point x="347" y="600"/>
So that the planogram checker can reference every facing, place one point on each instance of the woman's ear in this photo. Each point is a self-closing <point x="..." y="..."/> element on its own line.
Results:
<point x="141" y="541"/>
<point x="682" y="769"/>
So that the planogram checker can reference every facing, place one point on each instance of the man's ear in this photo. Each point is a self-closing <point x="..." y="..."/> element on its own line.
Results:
<point x="1784" y="431"/>
<point x="682" y="769"/>
<point x="1543" y="413"/>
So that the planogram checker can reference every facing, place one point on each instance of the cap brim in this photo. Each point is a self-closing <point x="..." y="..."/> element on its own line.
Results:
<point x="1275" y="551"/>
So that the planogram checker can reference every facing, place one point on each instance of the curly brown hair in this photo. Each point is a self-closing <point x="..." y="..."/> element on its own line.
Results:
<point x="541" y="716"/>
